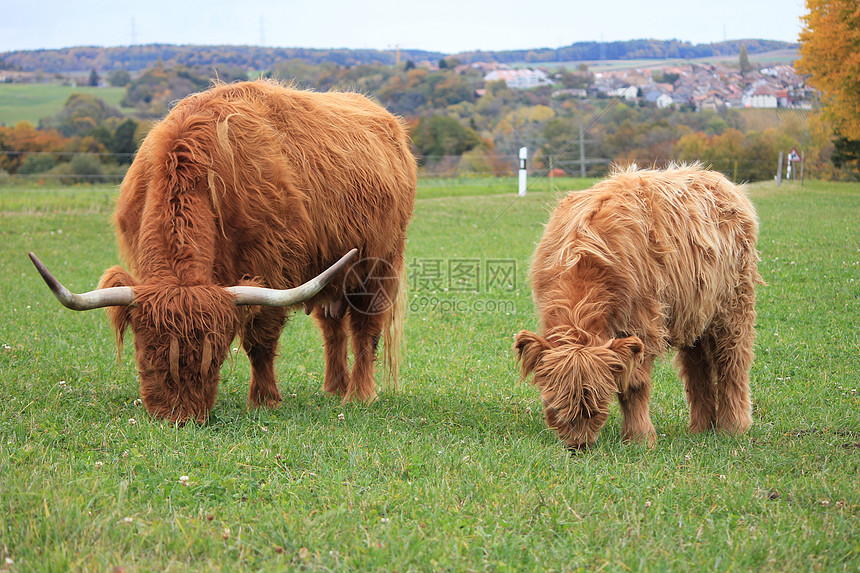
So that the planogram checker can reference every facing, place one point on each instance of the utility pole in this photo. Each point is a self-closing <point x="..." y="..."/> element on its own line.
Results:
<point x="581" y="149"/>
<point x="802" y="163"/>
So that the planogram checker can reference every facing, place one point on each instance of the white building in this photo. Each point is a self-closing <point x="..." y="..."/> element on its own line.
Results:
<point x="761" y="96"/>
<point x="628" y="93"/>
<point x="519" y="79"/>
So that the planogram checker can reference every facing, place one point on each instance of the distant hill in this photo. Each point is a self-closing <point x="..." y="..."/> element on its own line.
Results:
<point x="627" y="50"/>
<point x="139" y="57"/>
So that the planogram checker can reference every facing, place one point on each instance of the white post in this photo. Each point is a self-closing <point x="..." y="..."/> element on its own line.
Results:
<point x="523" y="156"/>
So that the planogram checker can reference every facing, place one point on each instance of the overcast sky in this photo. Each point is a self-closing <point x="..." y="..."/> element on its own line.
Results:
<point x="447" y="26"/>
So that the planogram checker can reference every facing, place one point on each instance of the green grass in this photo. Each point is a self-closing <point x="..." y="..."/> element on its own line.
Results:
<point x="456" y="471"/>
<point x="32" y="102"/>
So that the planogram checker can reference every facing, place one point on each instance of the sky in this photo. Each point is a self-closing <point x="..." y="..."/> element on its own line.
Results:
<point x="447" y="26"/>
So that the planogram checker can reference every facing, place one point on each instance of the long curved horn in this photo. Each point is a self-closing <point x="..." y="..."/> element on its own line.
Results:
<point x="113" y="296"/>
<point x="273" y="297"/>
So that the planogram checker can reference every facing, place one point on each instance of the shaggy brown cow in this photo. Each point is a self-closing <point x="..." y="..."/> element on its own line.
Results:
<point x="259" y="185"/>
<point x="644" y="260"/>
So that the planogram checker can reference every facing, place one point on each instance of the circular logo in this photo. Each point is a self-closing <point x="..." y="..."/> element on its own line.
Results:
<point x="371" y="285"/>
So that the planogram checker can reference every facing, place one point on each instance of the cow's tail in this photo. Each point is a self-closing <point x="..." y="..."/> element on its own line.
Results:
<point x="392" y="335"/>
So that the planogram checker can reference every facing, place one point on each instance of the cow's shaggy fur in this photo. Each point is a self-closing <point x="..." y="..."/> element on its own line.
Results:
<point x="641" y="261"/>
<point x="257" y="183"/>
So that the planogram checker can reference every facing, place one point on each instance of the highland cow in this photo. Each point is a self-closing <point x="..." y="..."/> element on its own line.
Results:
<point x="644" y="260"/>
<point x="239" y="195"/>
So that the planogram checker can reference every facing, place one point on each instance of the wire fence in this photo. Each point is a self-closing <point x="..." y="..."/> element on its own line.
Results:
<point x="74" y="168"/>
<point x="738" y="169"/>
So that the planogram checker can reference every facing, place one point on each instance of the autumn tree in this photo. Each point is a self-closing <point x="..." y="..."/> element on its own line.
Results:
<point x="119" y="78"/>
<point x="441" y="135"/>
<point x="23" y="138"/>
<point x="81" y="114"/>
<point x="744" y="60"/>
<point x="830" y="56"/>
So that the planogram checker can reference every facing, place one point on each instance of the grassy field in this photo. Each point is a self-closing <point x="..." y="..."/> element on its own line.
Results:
<point x="456" y="471"/>
<point x="32" y="102"/>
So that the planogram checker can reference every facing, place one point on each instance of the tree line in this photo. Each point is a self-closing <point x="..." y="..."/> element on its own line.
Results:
<point x="88" y="140"/>
<point x="140" y="57"/>
<point x="459" y="123"/>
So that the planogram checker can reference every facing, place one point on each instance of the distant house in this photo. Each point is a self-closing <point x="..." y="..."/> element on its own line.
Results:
<point x="571" y="92"/>
<point x="628" y="92"/>
<point x="659" y="98"/>
<point x="762" y="96"/>
<point x="711" y="102"/>
<point x="519" y="79"/>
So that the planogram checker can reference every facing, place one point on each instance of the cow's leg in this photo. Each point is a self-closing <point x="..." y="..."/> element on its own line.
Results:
<point x="636" y="425"/>
<point x="696" y="366"/>
<point x="366" y="329"/>
<point x="733" y="356"/>
<point x="260" y="340"/>
<point x="332" y="324"/>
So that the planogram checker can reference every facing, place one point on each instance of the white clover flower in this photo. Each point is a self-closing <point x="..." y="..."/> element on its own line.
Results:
<point x="183" y="480"/>
<point x="99" y="465"/>
<point x="341" y="417"/>
<point x="132" y="421"/>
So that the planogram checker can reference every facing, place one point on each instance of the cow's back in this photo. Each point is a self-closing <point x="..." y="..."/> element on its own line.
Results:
<point x="671" y="244"/>
<point x="282" y="181"/>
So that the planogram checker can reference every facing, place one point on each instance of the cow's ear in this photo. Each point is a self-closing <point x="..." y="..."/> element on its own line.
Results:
<point x="120" y="316"/>
<point x="628" y="351"/>
<point x="529" y="347"/>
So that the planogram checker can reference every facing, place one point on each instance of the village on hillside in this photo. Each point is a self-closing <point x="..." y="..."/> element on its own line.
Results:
<point x="695" y="86"/>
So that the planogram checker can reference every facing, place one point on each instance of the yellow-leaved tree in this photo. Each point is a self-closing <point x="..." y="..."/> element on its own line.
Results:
<point x="830" y="56"/>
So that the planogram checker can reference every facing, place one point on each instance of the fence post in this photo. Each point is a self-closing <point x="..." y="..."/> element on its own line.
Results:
<point x="802" y="163"/>
<point x="779" y="170"/>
